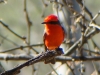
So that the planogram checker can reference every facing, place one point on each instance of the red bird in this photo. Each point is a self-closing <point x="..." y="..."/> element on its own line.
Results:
<point x="54" y="34"/>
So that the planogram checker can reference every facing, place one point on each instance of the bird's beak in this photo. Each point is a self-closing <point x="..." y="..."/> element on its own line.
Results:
<point x="43" y="23"/>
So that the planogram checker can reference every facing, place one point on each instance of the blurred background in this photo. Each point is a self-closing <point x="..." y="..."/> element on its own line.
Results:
<point x="12" y="13"/>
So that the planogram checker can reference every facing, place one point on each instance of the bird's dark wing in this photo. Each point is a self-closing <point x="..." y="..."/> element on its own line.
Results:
<point x="44" y="36"/>
<point x="64" y="30"/>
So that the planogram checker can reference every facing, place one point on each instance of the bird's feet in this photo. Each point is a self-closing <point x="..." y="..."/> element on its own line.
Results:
<point x="51" y="60"/>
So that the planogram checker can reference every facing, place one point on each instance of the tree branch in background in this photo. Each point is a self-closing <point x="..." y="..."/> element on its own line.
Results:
<point x="21" y="48"/>
<point x="6" y="26"/>
<point x="22" y="38"/>
<point x="29" y="23"/>
<point x="58" y="58"/>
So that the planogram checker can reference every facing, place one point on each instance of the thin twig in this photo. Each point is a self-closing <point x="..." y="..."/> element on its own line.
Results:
<point x="95" y="25"/>
<point x="85" y="9"/>
<point x="4" y="37"/>
<point x="86" y="31"/>
<point x="94" y="52"/>
<point x="22" y="47"/>
<point x="70" y="68"/>
<point x="94" y="65"/>
<point x="29" y="23"/>
<point x="6" y="26"/>
<point x="92" y="60"/>
<point x="53" y="69"/>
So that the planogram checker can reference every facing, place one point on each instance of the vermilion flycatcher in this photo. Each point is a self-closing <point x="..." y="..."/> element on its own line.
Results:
<point x="54" y="34"/>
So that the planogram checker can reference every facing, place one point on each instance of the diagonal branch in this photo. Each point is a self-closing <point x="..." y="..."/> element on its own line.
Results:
<point x="6" y="26"/>
<point x="43" y="56"/>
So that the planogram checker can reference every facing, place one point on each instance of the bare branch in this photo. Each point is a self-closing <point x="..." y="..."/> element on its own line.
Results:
<point x="44" y="56"/>
<point x="29" y="23"/>
<point x="58" y="58"/>
<point x="6" y="26"/>
<point x="22" y="47"/>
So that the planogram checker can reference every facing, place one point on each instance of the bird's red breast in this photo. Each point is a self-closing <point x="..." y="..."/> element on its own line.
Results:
<point x="54" y="33"/>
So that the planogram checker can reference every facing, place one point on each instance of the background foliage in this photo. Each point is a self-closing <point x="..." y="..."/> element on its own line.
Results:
<point x="12" y="13"/>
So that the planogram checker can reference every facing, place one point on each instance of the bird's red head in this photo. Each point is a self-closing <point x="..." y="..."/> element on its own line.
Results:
<point x="51" y="18"/>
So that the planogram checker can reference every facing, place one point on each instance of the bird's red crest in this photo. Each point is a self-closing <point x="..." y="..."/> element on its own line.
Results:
<point x="51" y="17"/>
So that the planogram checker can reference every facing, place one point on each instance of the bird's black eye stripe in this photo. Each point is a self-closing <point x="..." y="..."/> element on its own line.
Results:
<point x="51" y="22"/>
